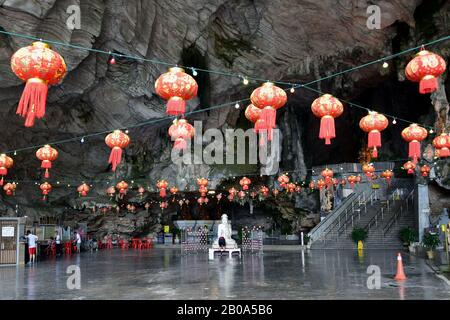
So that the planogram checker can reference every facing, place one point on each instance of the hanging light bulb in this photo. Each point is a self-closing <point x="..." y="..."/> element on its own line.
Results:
<point x="245" y="81"/>
<point x="111" y="59"/>
<point x="431" y="131"/>
<point x="237" y="106"/>
<point x="394" y="121"/>
<point x="194" y="72"/>
<point x="15" y="153"/>
<point x="126" y="131"/>
<point x="385" y="65"/>
<point x="292" y="90"/>
<point x="82" y="140"/>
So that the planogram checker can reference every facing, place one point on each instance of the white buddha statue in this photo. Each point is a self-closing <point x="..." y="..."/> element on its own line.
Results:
<point x="224" y="231"/>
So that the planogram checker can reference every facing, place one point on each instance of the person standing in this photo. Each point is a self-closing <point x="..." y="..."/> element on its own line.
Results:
<point x="58" y="243"/>
<point x="78" y="241"/>
<point x="32" y="241"/>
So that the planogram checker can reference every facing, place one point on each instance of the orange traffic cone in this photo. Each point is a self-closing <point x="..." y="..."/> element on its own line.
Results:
<point x="400" y="272"/>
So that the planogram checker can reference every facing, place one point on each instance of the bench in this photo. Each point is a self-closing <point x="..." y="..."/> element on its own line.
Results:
<point x="230" y="251"/>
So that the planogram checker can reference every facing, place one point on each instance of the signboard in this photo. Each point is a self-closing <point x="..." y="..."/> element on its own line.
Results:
<point x="7" y="232"/>
<point x="166" y="229"/>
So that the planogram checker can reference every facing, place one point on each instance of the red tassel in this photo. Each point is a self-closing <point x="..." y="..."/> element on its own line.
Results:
<point x="428" y="84"/>
<point x="46" y="164"/>
<point x="1" y="181"/>
<point x="414" y="150"/>
<point x="162" y="193"/>
<point x="47" y="174"/>
<point x="327" y="130"/>
<point x="269" y="116"/>
<point x="352" y="185"/>
<point x="115" y="157"/>
<point x="375" y="152"/>
<point x="32" y="102"/>
<point x="260" y="126"/>
<point x="262" y="140"/>
<point x="410" y="171"/>
<point x="245" y="187"/>
<point x="176" y="106"/>
<point x="374" y="139"/>
<point x="3" y="171"/>
<point x="180" y="144"/>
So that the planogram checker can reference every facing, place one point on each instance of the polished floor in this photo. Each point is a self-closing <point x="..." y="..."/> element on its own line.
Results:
<point x="167" y="274"/>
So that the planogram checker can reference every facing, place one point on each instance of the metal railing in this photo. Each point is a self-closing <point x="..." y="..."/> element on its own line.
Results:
<point x="399" y="213"/>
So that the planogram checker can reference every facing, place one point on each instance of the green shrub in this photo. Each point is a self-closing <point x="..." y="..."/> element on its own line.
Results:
<point x="359" y="234"/>
<point x="431" y="241"/>
<point x="408" y="235"/>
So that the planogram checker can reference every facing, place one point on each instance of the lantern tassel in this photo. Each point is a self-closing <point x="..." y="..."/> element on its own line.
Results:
<point x="269" y="117"/>
<point x="374" y="139"/>
<point x="115" y="157"/>
<point x="410" y="171"/>
<point x="327" y="130"/>
<point x="46" y="164"/>
<point x="32" y="102"/>
<point x="428" y="84"/>
<point x="375" y="152"/>
<point x="260" y="126"/>
<point x="176" y="106"/>
<point x="1" y="181"/>
<point x="162" y="192"/>
<point x="180" y="144"/>
<point x="47" y="174"/>
<point x="3" y="171"/>
<point x="414" y="150"/>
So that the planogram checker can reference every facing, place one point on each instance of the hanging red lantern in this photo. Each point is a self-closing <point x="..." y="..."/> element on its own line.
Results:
<point x="241" y="194"/>
<point x="176" y="87"/>
<point x="201" y="200"/>
<point x="83" y="190"/>
<point x="116" y="140"/>
<point x="9" y="188"/>
<point x="141" y="191"/>
<point x="410" y="166"/>
<point x="264" y="191"/>
<point x="230" y="197"/>
<point x="162" y="186"/>
<point x="327" y="108"/>
<point x="173" y="190"/>
<point x="40" y="67"/>
<point x="283" y="180"/>
<point x="268" y="98"/>
<point x="202" y="182"/>
<point x="163" y="205"/>
<point x="387" y="174"/>
<point x="335" y="182"/>
<point x="298" y="189"/>
<point x="321" y="184"/>
<point x="245" y="182"/>
<point x="424" y="68"/>
<point x="291" y="187"/>
<point x="442" y="145"/>
<point x="414" y="134"/>
<point x="327" y="174"/>
<point x="352" y="180"/>
<point x="252" y="113"/>
<point x="181" y="131"/>
<point x="425" y="170"/>
<point x="312" y="185"/>
<point x="122" y="186"/>
<point x="47" y="155"/>
<point x="45" y="189"/>
<point x="232" y="191"/>
<point x="373" y="123"/>
<point x="5" y="164"/>
<point x="368" y="170"/>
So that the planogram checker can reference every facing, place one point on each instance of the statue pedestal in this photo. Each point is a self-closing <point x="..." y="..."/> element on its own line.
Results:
<point x="230" y="251"/>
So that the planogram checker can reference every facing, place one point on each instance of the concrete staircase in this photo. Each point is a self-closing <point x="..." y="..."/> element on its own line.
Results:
<point x="382" y="219"/>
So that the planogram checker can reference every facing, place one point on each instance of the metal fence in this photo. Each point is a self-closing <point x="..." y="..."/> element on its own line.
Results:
<point x="252" y="240"/>
<point x="194" y="241"/>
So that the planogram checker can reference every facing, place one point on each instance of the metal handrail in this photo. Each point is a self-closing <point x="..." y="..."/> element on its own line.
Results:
<point x="343" y="228"/>
<point x="398" y="213"/>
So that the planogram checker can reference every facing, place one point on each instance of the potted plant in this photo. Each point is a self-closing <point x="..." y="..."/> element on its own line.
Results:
<point x="408" y="236"/>
<point x="359" y="234"/>
<point x="431" y="241"/>
<point x="306" y="241"/>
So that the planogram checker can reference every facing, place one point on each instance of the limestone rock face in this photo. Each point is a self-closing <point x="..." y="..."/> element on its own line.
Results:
<point x="286" y="40"/>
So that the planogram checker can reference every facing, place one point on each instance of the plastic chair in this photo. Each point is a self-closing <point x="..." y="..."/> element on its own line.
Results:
<point x="68" y="248"/>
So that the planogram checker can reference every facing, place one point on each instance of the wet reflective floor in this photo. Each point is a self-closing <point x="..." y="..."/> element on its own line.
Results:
<point x="167" y="274"/>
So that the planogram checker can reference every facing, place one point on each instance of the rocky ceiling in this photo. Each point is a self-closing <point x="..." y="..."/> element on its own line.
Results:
<point x="287" y="40"/>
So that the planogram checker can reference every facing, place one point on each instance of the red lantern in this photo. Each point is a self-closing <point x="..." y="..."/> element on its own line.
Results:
<point x="40" y="67"/>
<point x="232" y="191"/>
<point x="352" y="180"/>
<point x="264" y="191"/>
<point x="141" y="191"/>
<point x="442" y="145"/>
<point x="9" y="188"/>
<point x="424" y="68"/>
<point x="327" y="108"/>
<point x="268" y="98"/>
<point x="162" y="186"/>
<point x="83" y="190"/>
<point x="335" y="182"/>
<point x="116" y="140"/>
<point x="321" y="184"/>
<point x="245" y="182"/>
<point x="373" y="123"/>
<point x="425" y="170"/>
<point x="410" y="166"/>
<point x="283" y="180"/>
<point x="241" y="194"/>
<point x="387" y="174"/>
<point x="45" y="189"/>
<point x="252" y="113"/>
<point x="291" y="187"/>
<point x="298" y="189"/>
<point x="173" y="190"/>
<point x="163" y="205"/>
<point x="176" y="87"/>
<point x="122" y="186"/>
<point x="201" y="200"/>
<point x="181" y="131"/>
<point x="327" y="174"/>
<point x="110" y="191"/>
<point x="312" y="185"/>
<point x="202" y="182"/>
<point x="230" y="197"/>
<point x="414" y="134"/>
<point x="5" y="164"/>
<point x="203" y="190"/>
<point x="368" y="169"/>
<point x="47" y="155"/>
